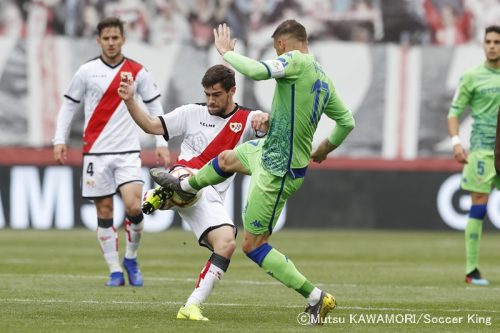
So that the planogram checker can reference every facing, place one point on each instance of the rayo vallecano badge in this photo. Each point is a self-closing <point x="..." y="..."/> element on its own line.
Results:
<point x="235" y="127"/>
<point x="125" y="76"/>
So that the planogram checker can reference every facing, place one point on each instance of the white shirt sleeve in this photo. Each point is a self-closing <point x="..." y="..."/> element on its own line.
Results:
<point x="176" y="121"/>
<point x="64" y="118"/>
<point x="70" y="105"/>
<point x="146" y="87"/>
<point x="150" y="94"/>
<point x="77" y="87"/>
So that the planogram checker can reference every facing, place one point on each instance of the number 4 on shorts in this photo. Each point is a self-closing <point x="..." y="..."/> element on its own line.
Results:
<point x="90" y="169"/>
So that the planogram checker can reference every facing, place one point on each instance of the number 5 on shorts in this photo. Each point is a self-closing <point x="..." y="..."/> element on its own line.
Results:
<point x="480" y="168"/>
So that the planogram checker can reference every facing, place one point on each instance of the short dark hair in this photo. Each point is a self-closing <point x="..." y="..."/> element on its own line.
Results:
<point x="110" y="22"/>
<point x="292" y="28"/>
<point x="219" y="74"/>
<point x="492" y="28"/>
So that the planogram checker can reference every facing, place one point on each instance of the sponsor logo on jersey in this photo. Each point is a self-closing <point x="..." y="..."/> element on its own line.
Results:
<point x="206" y="124"/>
<point x="236" y="127"/>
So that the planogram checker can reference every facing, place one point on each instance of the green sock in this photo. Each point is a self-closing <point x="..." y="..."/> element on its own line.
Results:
<point x="282" y="269"/>
<point x="472" y="242"/>
<point x="205" y="176"/>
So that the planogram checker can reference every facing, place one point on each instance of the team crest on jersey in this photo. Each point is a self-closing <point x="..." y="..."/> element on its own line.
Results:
<point x="235" y="127"/>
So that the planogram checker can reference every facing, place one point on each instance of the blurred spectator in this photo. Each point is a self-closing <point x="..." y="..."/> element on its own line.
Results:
<point x="257" y="12"/>
<point x="90" y="19"/>
<point x="46" y="17"/>
<point x="203" y="16"/>
<point x="356" y="20"/>
<point x="486" y="13"/>
<point x="235" y="18"/>
<point x="168" y="24"/>
<point x="11" y="21"/>
<point x="134" y="13"/>
<point x="404" y="21"/>
<point x="448" y="21"/>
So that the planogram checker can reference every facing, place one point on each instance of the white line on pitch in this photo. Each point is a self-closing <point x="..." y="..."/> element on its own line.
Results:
<point x="251" y="282"/>
<point x="361" y="308"/>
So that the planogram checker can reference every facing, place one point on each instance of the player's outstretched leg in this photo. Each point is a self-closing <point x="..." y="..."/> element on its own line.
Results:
<point x="133" y="227"/>
<point x="155" y="199"/>
<point x="473" y="231"/>
<point x="319" y="311"/>
<point x="191" y="312"/>
<point x="475" y="278"/>
<point x="170" y="182"/>
<point x="213" y="272"/>
<point x="282" y="269"/>
<point x="108" y="242"/>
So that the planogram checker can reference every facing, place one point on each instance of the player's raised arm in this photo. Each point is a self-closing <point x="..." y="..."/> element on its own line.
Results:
<point x="246" y="66"/>
<point x="145" y="121"/>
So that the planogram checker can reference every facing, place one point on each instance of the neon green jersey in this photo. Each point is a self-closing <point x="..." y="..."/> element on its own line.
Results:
<point x="303" y="93"/>
<point x="479" y="89"/>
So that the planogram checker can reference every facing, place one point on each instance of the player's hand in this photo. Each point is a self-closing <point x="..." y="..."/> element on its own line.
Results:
<point x="223" y="41"/>
<point x="60" y="153"/>
<point x="163" y="156"/>
<point x="319" y="154"/>
<point x="126" y="90"/>
<point x="460" y="154"/>
<point x="260" y="122"/>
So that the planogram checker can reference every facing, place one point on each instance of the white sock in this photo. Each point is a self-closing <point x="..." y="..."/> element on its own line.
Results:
<point x="208" y="276"/>
<point x="186" y="187"/>
<point x="134" y="233"/>
<point x="314" y="296"/>
<point x="108" y="240"/>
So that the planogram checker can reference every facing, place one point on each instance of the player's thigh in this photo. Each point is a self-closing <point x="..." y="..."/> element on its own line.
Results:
<point x="479" y="173"/>
<point x="267" y="195"/>
<point x="131" y="195"/>
<point x="208" y="213"/>
<point x="249" y="154"/>
<point x="97" y="177"/>
<point x="127" y="169"/>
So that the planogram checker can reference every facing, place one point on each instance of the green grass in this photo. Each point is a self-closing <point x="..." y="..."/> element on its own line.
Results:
<point x="53" y="281"/>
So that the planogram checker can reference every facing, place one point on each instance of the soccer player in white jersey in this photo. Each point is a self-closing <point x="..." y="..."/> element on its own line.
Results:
<point x="111" y="161"/>
<point x="208" y="129"/>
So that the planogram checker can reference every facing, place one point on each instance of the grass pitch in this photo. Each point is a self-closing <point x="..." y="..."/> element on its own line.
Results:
<point x="53" y="281"/>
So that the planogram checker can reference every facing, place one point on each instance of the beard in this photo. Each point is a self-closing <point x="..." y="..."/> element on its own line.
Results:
<point x="219" y="111"/>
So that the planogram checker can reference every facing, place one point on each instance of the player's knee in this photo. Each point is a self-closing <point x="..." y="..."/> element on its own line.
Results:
<point x="225" y="247"/>
<point x="247" y="247"/>
<point x="104" y="212"/>
<point x="134" y="210"/>
<point x="224" y="160"/>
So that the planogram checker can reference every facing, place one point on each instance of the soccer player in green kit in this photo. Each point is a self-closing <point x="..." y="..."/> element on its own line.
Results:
<point x="278" y="163"/>
<point x="479" y="89"/>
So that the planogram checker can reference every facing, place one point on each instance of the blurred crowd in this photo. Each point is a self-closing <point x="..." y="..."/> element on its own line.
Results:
<point x="442" y="22"/>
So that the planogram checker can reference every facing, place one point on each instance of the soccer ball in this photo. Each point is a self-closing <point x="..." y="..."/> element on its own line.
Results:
<point x="152" y="201"/>
<point x="181" y="173"/>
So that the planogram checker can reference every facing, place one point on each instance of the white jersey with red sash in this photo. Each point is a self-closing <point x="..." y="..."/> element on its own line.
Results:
<point x="109" y="128"/>
<point x="206" y="135"/>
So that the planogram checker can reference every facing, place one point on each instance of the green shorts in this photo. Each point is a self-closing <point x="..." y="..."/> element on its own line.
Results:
<point x="479" y="173"/>
<point x="267" y="193"/>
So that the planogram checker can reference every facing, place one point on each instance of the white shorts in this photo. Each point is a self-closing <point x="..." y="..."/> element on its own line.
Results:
<point x="207" y="214"/>
<point x="102" y="175"/>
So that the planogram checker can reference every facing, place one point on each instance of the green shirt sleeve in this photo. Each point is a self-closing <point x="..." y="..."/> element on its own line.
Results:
<point x="247" y="66"/>
<point x="462" y="97"/>
<point x="336" y="110"/>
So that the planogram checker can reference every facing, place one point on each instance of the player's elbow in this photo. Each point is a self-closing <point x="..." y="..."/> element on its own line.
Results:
<point x="349" y="126"/>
